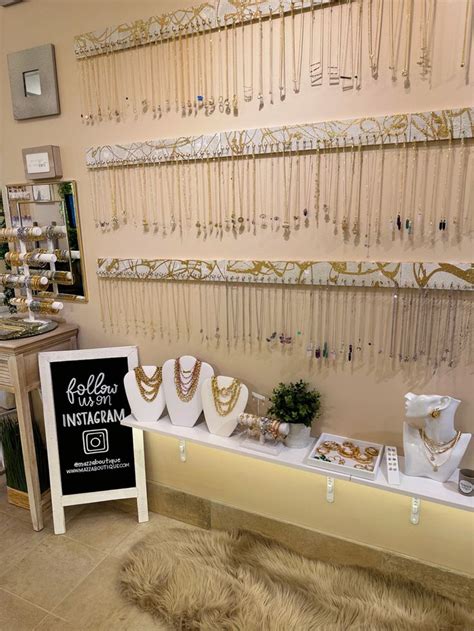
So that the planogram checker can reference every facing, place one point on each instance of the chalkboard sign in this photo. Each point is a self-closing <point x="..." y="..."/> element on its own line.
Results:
<point x="92" y="457"/>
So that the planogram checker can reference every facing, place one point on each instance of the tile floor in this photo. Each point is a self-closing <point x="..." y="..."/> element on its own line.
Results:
<point x="69" y="582"/>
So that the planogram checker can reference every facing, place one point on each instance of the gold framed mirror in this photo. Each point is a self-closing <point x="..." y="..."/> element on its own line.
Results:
<point x="52" y="204"/>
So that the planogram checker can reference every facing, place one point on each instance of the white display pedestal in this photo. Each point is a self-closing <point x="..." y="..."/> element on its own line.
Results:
<point x="181" y="413"/>
<point x="217" y="424"/>
<point x="143" y="410"/>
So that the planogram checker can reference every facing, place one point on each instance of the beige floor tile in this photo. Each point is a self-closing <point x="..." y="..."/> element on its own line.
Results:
<point x="51" y="570"/>
<point x="98" y="604"/>
<point x="101" y="526"/>
<point x="156" y="522"/>
<point x="18" y="615"/>
<point x="17" y="540"/>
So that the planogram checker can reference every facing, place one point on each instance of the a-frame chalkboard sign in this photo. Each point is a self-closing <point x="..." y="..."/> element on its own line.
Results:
<point x="91" y="456"/>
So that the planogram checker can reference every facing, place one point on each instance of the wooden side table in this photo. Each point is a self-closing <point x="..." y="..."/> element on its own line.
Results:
<point x="19" y="374"/>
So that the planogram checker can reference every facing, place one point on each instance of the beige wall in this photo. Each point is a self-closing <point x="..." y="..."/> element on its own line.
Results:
<point x="356" y="402"/>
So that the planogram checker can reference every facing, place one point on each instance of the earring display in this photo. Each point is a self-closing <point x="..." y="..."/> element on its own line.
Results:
<point x="337" y="453"/>
<point x="216" y="56"/>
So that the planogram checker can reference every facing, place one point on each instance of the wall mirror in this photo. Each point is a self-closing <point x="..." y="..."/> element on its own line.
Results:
<point x="52" y="204"/>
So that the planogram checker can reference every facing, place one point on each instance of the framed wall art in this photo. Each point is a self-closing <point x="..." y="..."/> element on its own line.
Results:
<point x="33" y="82"/>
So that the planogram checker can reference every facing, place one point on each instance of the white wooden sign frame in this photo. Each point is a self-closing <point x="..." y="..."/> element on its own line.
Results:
<point x="58" y="500"/>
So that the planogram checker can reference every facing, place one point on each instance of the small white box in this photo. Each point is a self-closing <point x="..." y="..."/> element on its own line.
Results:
<point x="325" y="455"/>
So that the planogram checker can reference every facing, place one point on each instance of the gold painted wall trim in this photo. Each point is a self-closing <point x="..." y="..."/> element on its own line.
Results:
<point x="459" y="276"/>
<point x="196" y="19"/>
<point x="438" y="125"/>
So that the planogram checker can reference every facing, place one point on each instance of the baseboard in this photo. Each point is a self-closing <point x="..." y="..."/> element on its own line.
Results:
<point x="313" y="544"/>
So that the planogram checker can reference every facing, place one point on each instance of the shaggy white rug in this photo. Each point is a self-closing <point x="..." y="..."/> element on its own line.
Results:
<point x="238" y="581"/>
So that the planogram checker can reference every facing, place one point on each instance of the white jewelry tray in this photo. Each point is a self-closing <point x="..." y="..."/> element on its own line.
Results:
<point x="315" y="459"/>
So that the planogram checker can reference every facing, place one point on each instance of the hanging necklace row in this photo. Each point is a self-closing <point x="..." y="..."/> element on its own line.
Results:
<point x="426" y="328"/>
<point x="364" y="193"/>
<point x="201" y="67"/>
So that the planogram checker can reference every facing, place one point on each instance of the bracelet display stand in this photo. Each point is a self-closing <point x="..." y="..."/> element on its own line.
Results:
<point x="144" y="411"/>
<point x="180" y="412"/>
<point x="217" y="424"/>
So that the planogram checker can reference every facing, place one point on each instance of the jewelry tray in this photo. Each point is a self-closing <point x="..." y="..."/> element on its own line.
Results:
<point x="315" y="459"/>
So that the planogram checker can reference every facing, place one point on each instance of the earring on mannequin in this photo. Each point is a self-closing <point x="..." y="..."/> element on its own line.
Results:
<point x="435" y="413"/>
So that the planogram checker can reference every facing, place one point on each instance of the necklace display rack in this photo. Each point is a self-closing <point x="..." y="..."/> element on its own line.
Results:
<point x="366" y="177"/>
<point x="26" y="281"/>
<point x="404" y="313"/>
<point x="217" y="55"/>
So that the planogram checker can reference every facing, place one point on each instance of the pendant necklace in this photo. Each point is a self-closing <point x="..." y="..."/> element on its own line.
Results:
<point x="316" y="67"/>
<point x="260" y="59"/>
<point x="317" y="182"/>
<point x="347" y="75"/>
<point x="235" y="99"/>
<point x="378" y="218"/>
<point x="414" y="175"/>
<point x="358" y="44"/>
<point x="374" y="43"/>
<point x="443" y="222"/>
<point x="356" y="225"/>
<point x="438" y="454"/>
<point x="282" y="82"/>
<point x="408" y="26"/>
<point x="297" y="49"/>
<point x="227" y="66"/>
<point x="467" y="30"/>
<point x="270" y="54"/>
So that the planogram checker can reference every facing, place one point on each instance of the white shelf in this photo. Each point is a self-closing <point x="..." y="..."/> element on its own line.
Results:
<point x="422" y="488"/>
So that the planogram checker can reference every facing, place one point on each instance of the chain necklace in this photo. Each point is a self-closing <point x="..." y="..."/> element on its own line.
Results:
<point x="225" y="398"/>
<point x="433" y="450"/>
<point x="186" y="381"/>
<point x="148" y="386"/>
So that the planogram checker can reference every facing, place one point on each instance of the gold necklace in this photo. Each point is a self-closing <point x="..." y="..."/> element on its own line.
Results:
<point x="225" y="398"/>
<point x="433" y="449"/>
<point x="148" y="386"/>
<point x="186" y="381"/>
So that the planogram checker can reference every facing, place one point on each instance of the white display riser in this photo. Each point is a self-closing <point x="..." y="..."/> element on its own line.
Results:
<point x="414" y="487"/>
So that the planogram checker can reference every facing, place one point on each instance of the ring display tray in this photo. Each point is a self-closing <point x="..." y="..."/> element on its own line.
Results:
<point x="333" y="452"/>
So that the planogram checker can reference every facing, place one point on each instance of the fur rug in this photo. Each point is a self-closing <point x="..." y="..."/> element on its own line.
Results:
<point x="238" y="581"/>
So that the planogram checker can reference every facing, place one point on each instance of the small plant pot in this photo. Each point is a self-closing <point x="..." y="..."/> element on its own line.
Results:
<point x="299" y="436"/>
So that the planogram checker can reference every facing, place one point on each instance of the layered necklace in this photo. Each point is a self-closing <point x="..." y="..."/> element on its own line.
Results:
<point x="225" y="398"/>
<point x="186" y="381"/>
<point x="438" y="454"/>
<point x="148" y="386"/>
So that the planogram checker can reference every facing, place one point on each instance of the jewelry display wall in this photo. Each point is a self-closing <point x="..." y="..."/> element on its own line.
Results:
<point x="328" y="325"/>
<point x="217" y="55"/>
<point x="367" y="186"/>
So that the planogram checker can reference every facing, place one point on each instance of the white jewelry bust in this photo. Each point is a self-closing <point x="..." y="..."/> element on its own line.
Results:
<point x="144" y="411"/>
<point x="180" y="412"/>
<point x="438" y="413"/>
<point x="217" y="424"/>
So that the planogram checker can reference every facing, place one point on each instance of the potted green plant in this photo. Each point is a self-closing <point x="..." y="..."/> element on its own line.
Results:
<point x="296" y="404"/>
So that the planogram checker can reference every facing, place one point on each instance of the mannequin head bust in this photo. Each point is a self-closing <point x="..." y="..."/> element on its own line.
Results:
<point x="423" y="405"/>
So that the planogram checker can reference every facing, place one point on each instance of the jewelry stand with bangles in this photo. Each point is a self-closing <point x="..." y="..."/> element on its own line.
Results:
<point x="262" y="433"/>
<point x="23" y="279"/>
<point x="358" y="458"/>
